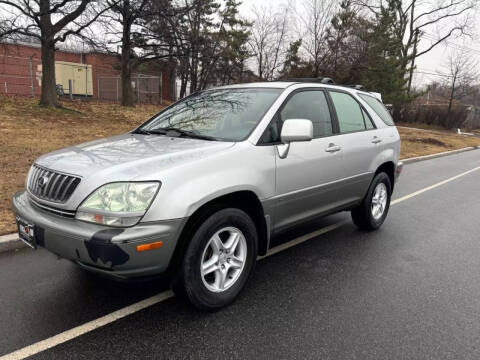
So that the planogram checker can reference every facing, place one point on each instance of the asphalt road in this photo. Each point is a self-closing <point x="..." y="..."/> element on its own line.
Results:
<point x="408" y="291"/>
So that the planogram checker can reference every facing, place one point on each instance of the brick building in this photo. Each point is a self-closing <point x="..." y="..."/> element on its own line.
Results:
<point x="21" y="73"/>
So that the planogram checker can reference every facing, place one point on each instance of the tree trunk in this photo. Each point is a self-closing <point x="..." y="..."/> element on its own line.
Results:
<point x="126" y="64"/>
<point x="194" y="73"/>
<point x="452" y="94"/>
<point x="316" y="69"/>
<point x="127" y="93"/>
<point x="183" y="85"/>
<point x="49" y="90"/>
<point x="412" y="65"/>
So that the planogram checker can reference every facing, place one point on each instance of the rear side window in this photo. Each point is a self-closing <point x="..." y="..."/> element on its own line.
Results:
<point x="379" y="108"/>
<point x="349" y="112"/>
<point x="368" y="120"/>
<point x="311" y="105"/>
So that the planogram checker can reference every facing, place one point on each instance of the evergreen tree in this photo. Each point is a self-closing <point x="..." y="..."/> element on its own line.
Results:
<point x="340" y="39"/>
<point x="383" y="71"/>
<point x="293" y="65"/>
<point x="229" y="48"/>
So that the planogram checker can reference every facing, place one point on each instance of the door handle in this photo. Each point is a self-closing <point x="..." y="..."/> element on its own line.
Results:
<point x="333" y="148"/>
<point x="376" y="140"/>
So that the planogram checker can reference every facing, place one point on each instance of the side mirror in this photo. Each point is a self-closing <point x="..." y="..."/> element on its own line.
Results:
<point x="294" y="130"/>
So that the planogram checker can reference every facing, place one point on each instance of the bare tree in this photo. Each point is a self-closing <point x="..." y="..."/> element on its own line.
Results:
<point x="268" y="40"/>
<point x="51" y="22"/>
<point x="434" y="20"/>
<point x="140" y="32"/>
<point x="460" y="76"/>
<point x="124" y="15"/>
<point x="314" y="19"/>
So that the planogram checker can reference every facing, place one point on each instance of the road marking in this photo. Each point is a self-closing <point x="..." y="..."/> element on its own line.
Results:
<point x="87" y="327"/>
<point x="131" y="309"/>
<point x="406" y="197"/>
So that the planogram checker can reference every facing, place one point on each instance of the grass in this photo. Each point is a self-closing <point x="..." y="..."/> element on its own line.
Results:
<point x="430" y="141"/>
<point x="27" y="131"/>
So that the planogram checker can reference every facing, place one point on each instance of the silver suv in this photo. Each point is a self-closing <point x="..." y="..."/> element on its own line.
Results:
<point x="201" y="188"/>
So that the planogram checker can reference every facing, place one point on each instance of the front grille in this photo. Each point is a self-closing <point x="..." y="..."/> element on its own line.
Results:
<point x="51" y="185"/>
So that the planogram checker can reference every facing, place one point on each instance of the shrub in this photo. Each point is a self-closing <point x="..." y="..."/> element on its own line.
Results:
<point x="435" y="114"/>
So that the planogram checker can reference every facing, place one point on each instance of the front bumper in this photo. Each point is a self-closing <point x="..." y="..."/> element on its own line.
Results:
<point x="102" y="249"/>
<point x="398" y="170"/>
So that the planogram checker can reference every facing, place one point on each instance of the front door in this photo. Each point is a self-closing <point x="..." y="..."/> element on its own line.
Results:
<point x="308" y="180"/>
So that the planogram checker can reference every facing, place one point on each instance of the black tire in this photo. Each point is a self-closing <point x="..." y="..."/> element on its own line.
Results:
<point x="362" y="215"/>
<point x="189" y="283"/>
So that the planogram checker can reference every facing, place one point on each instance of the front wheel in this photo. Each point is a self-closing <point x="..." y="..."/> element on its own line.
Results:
<point x="373" y="210"/>
<point x="219" y="259"/>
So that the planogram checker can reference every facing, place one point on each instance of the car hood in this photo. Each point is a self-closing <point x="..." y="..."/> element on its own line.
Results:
<point x="129" y="156"/>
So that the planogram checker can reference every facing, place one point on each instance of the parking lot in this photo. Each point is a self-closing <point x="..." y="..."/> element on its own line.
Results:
<point x="408" y="291"/>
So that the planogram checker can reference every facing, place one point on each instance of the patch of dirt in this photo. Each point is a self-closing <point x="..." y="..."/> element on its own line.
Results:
<point x="428" y="140"/>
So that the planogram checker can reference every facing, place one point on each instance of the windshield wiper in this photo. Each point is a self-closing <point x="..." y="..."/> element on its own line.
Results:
<point x="181" y="132"/>
<point x="141" y="131"/>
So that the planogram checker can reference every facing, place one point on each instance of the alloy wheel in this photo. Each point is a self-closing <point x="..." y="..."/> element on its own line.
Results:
<point x="223" y="259"/>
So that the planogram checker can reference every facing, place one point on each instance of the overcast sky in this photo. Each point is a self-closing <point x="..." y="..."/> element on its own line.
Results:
<point x="428" y="64"/>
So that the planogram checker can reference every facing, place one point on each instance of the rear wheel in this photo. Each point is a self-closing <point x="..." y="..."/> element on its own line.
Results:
<point x="219" y="259"/>
<point x="373" y="210"/>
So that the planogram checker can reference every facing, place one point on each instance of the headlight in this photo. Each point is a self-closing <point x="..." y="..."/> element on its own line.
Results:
<point x="118" y="204"/>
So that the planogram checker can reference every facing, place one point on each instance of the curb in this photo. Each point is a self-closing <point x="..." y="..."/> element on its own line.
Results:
<point x="437" y="155"/>
<point x="12" y="242"/>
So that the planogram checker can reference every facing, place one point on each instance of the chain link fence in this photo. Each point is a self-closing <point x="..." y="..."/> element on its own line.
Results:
<point x="147" y="89"/>
<point x="22" y="76"/>
<point x="19" y="76"/>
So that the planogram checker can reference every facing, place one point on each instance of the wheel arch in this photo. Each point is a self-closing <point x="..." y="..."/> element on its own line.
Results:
<point x="245" y="200"/>
<point x="387" y="167"/>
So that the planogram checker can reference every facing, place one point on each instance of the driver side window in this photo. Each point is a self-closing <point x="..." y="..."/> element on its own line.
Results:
<point x="311" y="105"/>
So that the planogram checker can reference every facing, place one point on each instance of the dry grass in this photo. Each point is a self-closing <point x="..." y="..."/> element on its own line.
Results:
<point x="27" y="131"/>
<point x="417" y="142"/>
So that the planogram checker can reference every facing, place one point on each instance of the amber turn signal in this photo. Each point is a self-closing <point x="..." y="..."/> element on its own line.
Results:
<point x="151" y="246"/>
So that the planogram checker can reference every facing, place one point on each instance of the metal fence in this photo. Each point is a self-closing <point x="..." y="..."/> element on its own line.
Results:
<point x="23" y="75"/>
<point x="19" y="75"/>
<point x="146" y="89"/>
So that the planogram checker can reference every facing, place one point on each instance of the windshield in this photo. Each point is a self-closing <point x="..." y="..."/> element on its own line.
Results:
<point x="223" y="114"/>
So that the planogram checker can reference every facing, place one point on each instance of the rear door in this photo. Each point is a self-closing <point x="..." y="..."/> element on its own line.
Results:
<point x="362" y="143"/>
<point x="308" y="179"/>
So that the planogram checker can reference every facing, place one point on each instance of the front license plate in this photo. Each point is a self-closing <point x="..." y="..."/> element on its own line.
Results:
<point x="26" y="232"/>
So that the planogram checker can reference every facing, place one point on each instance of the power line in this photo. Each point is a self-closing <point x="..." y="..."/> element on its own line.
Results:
<point x="447" y="43"/>
<point x="432" y="73"/>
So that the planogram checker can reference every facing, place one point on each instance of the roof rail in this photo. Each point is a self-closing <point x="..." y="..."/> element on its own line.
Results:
<point x="321" y="80"/>
<point x="358" y="87"/>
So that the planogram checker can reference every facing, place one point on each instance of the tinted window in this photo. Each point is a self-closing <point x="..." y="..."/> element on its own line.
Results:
<point x="379" y="108"/>
<point x="227" y="114"/>
<point x="310" y="105"/>
<point x="349" y="113"/>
